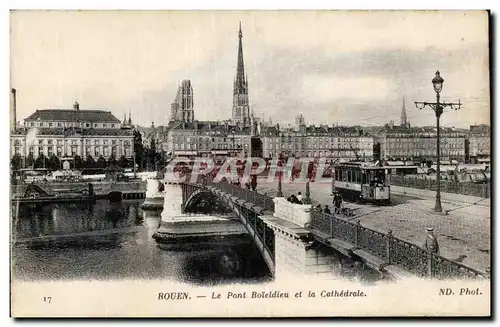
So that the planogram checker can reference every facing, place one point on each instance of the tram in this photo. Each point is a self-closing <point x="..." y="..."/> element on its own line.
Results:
<point x="361" y="182"/>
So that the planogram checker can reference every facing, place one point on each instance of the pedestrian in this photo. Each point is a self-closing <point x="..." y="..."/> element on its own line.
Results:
<point x="299" y="196"/>
<point x="337" y="201"/>
<point x="431" y="243"/>
<point x="318" y="208"/>
<point x="294" y="199"/>
<point x="327" y="210"/>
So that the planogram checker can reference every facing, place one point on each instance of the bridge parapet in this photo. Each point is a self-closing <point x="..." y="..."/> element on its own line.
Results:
<point x="298" y="214"/>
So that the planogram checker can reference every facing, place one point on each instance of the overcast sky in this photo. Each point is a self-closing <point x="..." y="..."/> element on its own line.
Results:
<point x="334" y="67"/>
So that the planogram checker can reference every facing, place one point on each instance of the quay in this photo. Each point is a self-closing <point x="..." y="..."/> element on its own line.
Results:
<point x="76" y="192"/>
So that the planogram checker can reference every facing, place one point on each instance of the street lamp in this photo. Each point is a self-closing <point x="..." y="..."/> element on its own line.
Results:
<point x="437" y="83"/>
<point x="234" y="149"/>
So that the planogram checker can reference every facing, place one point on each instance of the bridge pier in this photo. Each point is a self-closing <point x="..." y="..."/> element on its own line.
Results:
<point x="154" y="197"/>
<point x="296" y="254"/>
<point x="177" y="227"/>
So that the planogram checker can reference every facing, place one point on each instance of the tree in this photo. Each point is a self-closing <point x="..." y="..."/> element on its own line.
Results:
<point x="101" y="162"/>
<point x="123" y="162"/>
<point x="90" y="162"/>
<point x="78" y="162"/>
<point x="112" y="160"/>
<point x="30" y="161"/>
<point x="15" y="162"/>
<point x="41" y="161"/>
<point x="54" y="163"/>
<point x="138" y="149"/>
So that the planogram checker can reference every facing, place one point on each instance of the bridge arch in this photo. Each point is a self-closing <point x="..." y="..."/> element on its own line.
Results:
<point x="205" y="201"/>
<point x="247" y="212"/>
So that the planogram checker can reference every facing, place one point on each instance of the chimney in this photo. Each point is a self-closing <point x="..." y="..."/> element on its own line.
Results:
<point x="13" y="118"/>
<point x="76" y="106"/>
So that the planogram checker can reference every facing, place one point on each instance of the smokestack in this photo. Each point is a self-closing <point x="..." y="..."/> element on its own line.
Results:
<point x="13" y="118"/>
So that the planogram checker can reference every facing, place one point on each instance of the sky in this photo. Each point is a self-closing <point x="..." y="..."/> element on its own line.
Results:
<point x="334" y="67"/>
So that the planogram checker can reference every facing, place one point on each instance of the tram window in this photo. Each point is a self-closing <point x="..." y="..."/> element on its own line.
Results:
<point x="344" y="176"/>
<point x="358" y="177"/>
<point x="349" y="176"/>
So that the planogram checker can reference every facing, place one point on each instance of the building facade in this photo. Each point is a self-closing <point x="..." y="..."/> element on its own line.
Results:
<point x="479" y="143"/>
<point x="419" y="143"/>
<point x="332" y="142"/>
<point x="72" y="132"/>
<point x="206" y="139"/>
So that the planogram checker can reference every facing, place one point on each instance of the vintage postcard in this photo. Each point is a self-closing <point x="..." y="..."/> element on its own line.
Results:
<point x="250" y="163"/>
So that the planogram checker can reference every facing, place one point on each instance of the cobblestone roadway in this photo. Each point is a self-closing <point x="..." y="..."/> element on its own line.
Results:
<point x="463" y="234"/>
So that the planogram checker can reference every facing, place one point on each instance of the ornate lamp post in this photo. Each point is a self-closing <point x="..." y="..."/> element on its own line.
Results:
<point x="307" y="198"/>
<point x="234" y="149"/>
<point x="437" y="83"/>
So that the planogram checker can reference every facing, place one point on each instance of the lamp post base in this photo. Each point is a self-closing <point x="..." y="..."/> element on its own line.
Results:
<point x="438" y="207"/>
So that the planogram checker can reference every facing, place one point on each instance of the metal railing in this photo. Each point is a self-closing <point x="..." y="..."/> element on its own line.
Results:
<point x="263" y="232"/>
<point x="392" y="249"/>
<point x="464" y="188"/>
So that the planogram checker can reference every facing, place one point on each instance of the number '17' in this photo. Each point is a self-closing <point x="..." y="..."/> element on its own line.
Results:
<point x="47" y="299"/>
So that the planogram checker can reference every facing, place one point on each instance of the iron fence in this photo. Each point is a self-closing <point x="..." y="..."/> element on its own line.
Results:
<point x="392" y="249"/>
<point x="464" y="188"/>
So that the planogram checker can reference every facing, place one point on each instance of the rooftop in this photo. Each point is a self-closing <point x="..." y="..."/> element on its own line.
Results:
<point x="73" y="115"/>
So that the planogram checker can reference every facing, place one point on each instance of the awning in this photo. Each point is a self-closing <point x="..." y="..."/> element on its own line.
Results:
<point x="219" y="152"/>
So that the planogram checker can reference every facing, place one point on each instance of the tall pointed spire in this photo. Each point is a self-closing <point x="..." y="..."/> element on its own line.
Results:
<point x="241" y="110"/>
<point x="240" y="70"/>
<point x="404" y="121"/>
<point x="129" y="117"/>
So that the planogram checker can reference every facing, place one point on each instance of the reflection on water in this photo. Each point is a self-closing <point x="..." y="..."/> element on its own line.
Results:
<point x="114" y="241"/>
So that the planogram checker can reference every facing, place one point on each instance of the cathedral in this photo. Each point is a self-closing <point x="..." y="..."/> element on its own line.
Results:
<point x="241" y="107"/>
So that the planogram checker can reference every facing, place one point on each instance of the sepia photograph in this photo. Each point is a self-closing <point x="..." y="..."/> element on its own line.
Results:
<point x="210" y="163"/>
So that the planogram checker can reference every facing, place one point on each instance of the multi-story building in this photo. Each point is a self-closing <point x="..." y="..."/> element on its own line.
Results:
<point x="333" y="142"/>
<point x="207" y="139"/>
<point x="73" y="132"/>
<point x="418" y="144"/>
<point x="479" y="143"/>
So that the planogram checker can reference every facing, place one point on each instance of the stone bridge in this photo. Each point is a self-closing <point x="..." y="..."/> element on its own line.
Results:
<point x="294" y="239"/>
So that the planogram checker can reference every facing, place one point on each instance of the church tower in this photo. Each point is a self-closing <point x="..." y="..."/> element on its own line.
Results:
<point x="404" y="119"/>
<point x="241" y="107"/>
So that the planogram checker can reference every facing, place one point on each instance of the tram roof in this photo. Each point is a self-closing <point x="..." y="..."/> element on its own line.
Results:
<point x="359" y="164"/>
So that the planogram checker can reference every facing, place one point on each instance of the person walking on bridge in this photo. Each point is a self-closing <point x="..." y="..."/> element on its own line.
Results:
<point x="337" y="201"/>
<point x="431" y="243"/>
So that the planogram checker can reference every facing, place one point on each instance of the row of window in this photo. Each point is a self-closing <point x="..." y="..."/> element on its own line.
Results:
<point x="318" y="139"/>
<point x="106" y="151"/>
<point x="424" y="146"/>
<point x="207" y="146"/>
<point x="88" y="125"/>
<point x="351" y="176"/>
<point x="425" y="153"/>
<point x="318" y="146"/>
<point x="206" y="140"/>
<point x="346" y="154"/>
<point x="73" y="142"/>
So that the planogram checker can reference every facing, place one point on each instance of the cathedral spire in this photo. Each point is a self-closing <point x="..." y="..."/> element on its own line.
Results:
<point x="241" y="110"/>
<point x="404" y="120"/>
<point x="240" y="70"/>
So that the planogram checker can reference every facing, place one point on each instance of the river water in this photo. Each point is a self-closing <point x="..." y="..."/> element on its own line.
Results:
<point x="107" y="241"/>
